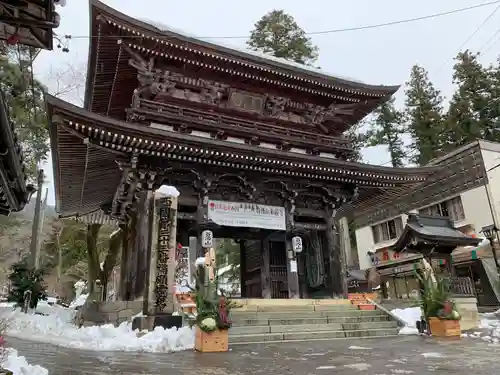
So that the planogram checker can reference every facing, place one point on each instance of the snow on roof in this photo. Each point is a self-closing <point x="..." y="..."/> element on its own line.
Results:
<point x="164" y="28"/>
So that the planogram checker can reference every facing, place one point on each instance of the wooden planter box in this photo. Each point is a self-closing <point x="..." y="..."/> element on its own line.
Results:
<point x="444" y="328"/>
<point x="366" y="306"/>
<point x="210" y="342"/>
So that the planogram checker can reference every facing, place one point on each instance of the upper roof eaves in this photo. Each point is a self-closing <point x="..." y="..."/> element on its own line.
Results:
<point x="241" y="56"/>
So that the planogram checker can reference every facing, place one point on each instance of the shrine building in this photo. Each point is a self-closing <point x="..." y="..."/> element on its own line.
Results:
<point x="254" y="144"/>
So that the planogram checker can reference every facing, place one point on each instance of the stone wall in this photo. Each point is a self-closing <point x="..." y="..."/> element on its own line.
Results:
<point x="109" y="312"/>
<point x="467" y="308"/>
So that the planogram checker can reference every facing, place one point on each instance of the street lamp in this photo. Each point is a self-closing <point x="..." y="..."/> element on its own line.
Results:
<point x="489" y="232"/>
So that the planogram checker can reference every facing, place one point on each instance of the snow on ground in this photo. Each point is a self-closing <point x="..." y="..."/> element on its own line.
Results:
<point x="488" y="330"/>
<point x="56" y="327"/>
<point x="19" y="366"/>
<point x="410" y="316"/>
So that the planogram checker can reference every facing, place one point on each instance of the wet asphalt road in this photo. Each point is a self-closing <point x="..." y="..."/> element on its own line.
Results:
<point x="398" y="355"/>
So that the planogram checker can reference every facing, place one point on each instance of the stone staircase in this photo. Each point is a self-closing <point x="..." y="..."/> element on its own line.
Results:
<point x="293" y="320"/>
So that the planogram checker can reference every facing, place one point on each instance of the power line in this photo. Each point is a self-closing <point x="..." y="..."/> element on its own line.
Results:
<point x="488" y="41"/>
<point x="385" y="24"/>
<point x="471" y="36"/>
<point x="492" y="44"/>
<point x="334" y="31"/>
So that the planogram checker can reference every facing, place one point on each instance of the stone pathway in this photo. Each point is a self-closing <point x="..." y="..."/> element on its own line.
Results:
<point x="399" y="355"/>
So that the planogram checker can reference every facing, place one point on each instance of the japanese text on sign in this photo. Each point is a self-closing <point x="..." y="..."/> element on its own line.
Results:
<point x="249" y="215"/>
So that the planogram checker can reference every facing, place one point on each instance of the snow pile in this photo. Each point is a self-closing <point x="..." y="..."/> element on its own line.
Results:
<point x="79" y="301"/>
<point x="410" y="316"/>
<point x="490" y="329"/>
<point x="56" y="329"/>
<point x="168" y="190"/>
<point x="19" y="366"/>
<point x="64" y="314"/>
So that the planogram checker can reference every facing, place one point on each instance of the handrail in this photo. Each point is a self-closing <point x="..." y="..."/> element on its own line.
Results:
<point x="401" y="322"/>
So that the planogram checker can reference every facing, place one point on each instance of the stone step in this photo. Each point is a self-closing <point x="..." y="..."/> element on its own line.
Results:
<point x="238" y="322"/>
<point x="245" y="330"/>
<point x="310" y="335"/>
<point x="245" y="315"/>
<point x="305" y="308"/>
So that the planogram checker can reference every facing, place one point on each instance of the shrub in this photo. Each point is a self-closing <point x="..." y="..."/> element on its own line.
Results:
<point x="24" y="280"/>
<point x="435" y="297"/>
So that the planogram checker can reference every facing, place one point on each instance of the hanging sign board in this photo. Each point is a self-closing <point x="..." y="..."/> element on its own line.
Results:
<point x="249" y="215"/>
<point x="207" y="238"/>
<point x="297" y="244"/>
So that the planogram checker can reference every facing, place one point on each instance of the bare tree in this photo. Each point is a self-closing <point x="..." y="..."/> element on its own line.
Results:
<point x="67" y="82"/>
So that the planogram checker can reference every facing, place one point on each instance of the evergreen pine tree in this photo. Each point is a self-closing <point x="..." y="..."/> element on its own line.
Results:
<point x="424" y="119"/>
<point x="469" y="114"/>
<point x="491" y="129"/>
<point x="387" y="128"/>
<point x="25" y="279"/>
<point x="277" y="34"/>
<point x="357" y="139"/>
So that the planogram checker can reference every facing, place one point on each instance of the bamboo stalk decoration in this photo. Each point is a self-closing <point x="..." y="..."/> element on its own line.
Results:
<point x="210" y="263"/>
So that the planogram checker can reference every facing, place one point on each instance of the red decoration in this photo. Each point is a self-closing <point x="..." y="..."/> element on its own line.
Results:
<point x="385" y="255"/>
<point x="396" y="255"/>
<point x="13" y="39"/>
<point x="223" y="313"/>
<point x="447" y="308"/>
<point x="212" y="205"/>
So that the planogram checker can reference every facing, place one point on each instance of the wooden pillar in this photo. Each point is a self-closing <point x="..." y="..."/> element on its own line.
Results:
<point x="331" y="243"/>
<point x="341" y="262"/>
<point x="131" y="258"/>
<point x="143" y="242"/>
<point x="243" y="269"/>
<point x="158" y="293"/>
<point x="201" y="222"/>
<point x="124" y="274"/>
<point x="291" y="264"/>
<point x="265" y="267"/>
<point x="345" y="240"/>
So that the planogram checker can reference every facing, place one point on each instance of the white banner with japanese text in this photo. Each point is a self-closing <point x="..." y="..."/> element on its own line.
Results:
<point x="250" y="215"/>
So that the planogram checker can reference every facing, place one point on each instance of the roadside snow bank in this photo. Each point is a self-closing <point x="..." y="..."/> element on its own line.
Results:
<point x="19" y="366"/>
<point x="56" y="329"/>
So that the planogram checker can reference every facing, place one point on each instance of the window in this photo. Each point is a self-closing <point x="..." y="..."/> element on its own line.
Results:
<point x="451" y="208"/>
<point x="388" y="230"/>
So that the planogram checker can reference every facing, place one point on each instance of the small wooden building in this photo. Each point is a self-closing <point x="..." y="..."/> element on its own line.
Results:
<point x="433" y="237"/>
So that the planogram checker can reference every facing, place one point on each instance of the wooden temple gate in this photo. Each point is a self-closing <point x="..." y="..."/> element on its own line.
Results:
<point x="219" y="125"/>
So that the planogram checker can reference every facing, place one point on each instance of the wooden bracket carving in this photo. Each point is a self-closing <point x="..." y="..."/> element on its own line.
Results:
<point x="275" y="105"/>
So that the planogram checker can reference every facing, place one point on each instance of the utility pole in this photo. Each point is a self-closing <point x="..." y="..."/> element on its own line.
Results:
<point x="37" y="222"/>
<point x="57" y="231"/>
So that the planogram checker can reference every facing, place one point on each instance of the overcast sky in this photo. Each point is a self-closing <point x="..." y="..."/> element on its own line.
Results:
<point x="378" y="56"/>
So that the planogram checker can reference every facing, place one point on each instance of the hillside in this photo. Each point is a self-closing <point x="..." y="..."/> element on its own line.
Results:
<point x="15" y="236"/>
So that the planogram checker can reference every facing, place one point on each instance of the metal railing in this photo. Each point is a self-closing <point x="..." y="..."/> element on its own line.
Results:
<point x="462" y="286"/>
